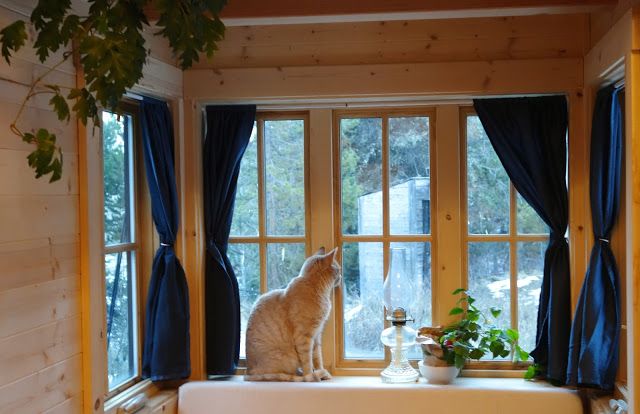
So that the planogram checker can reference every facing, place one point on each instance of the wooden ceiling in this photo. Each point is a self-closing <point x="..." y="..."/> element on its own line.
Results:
<point x="244" y="11"/>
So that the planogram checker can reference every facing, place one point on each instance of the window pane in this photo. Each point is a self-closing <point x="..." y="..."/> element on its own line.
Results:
<point x="284" y="261"/>
<point x="489" y="280"/>
<point x="487" y="184"/>
<point x="118" y="178"/>
<point x="361" y="174"/>
<point x="245" y="213"/>
<point x="122" y="341"/>
<point x="409" y="196"/>
<point x="529" y="222"/>
<point x="419" y="267"/>
<point x="362" y="293"/>
<point x="530" y="271"/>
<point x="284" y="177"/>
<point x="245" y="259"/>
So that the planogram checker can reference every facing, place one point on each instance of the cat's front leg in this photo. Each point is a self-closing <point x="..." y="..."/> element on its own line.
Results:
<point x="320" y="371"/>
<point x="304" y="348"/>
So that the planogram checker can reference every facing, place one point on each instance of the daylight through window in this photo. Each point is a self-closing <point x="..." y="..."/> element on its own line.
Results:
<point x="120" y="249"/>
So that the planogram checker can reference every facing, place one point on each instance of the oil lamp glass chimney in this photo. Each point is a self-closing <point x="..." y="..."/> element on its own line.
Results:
<point x="399" y="338"/>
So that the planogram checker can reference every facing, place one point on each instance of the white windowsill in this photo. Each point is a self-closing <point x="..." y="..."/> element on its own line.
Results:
<point x="373" y="382"/>
<point x="369" y="395"/>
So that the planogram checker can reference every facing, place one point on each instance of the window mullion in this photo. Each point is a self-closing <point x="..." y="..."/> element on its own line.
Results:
<point x="262" y="230"/>
<point x="513" y="258"/>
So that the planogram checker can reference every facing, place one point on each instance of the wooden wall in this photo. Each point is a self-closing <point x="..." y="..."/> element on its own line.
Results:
<point x="41" y="355"/>
<point x="492" y="38"/>
<point x="40" y="312"/>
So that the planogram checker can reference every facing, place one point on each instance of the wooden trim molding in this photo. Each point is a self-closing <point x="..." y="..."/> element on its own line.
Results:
<point x="450" y="79"/>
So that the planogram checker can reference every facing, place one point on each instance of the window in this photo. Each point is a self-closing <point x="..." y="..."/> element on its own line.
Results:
<point x="505" y="238"/>
<point x="269" y="232"/>
<point x="378" y="170"/>
<point x="121" y="250"/>
<point x="384" y="186"/>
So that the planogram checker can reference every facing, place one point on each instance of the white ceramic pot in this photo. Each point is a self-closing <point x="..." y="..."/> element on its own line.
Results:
<point x="438" y="375"/>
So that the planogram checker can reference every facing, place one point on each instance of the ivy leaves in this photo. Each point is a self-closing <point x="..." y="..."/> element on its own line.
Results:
<point x="473" y="336"/>
<point x="110" y="48"/>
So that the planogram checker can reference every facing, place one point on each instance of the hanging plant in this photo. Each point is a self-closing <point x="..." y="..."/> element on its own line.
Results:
<point x="108" y="44"/>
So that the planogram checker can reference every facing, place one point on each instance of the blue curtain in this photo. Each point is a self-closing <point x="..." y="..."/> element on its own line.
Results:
<point x="529" y="136"/>
<point x="228" y="129"/>
<point x="595" y="335"/>
<point x="166" y="340"/>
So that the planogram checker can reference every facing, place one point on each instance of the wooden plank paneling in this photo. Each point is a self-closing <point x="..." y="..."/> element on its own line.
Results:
<point x="402" y="41"/>
<point x="34" y="350"/>
<point x="32" y="217"/>
<point x="30" y="119"/>
<point x="32" y="306"/>
<point x="334" y="82"/>
<point x="29" y="262"/>
<point x="43" y="389"/>
<point x="17" y="178"/>
<point x="601" y="21"/>
<point x="72" y="405"/>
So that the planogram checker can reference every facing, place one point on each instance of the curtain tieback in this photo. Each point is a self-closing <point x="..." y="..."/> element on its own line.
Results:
<point x="166" y="244"/>
<point x="603" y="240"/>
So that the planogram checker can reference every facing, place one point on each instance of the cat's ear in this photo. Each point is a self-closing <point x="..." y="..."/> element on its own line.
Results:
<point x="320" y="252"/>
<point x="330" y="257"/>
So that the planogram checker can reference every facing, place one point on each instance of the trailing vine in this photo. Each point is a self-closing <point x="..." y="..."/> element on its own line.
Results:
<point x="108" y="44"/>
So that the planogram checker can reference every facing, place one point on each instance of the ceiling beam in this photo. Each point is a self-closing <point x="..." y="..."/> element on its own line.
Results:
<point x="260" y="12"/>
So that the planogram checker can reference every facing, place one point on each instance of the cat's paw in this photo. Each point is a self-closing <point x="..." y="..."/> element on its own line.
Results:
<point x="313" y="377"/>
<point x="323" y="374"/>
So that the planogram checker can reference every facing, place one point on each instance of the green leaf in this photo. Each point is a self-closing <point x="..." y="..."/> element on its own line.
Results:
<point x="12" y="38"/>
<point x="456" y="311"/>
<point x="496" y="348"/>
<point x="512" y="334"/>
<point x="531" y="372"/>
<point x="60" y="107"/>
<point x="459" y="361"/>
<point x="521" y="354"/>
<point x="495" y="312"/>
<point x="476" y="354"/>
<point x="47" y="157"/>
<point x="459" y="290"/>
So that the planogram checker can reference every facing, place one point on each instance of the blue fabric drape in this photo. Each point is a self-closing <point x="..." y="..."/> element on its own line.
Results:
<point x="228" y="129"/>
<point x="529" y="136"/>
<point x="595" y="335"/>
<point x="166" y="340"/>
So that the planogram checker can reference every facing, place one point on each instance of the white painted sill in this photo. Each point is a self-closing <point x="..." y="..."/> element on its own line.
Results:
<point x="354" y="395"/>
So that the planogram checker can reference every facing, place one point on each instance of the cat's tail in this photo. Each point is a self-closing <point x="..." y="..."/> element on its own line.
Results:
<point x="273" y="377"/>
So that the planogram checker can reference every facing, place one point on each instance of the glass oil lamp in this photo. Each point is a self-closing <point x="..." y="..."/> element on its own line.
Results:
<point x="399" y="337"/>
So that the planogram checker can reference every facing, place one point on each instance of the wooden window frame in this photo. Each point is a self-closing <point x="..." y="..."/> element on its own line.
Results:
<point x="512" y="237"/>
<point x="385" y="238"/>
<point x="143" y="244"/>
<point x="262" y="239"/>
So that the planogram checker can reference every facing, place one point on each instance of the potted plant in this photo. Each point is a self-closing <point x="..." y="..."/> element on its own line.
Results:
<point x="473" y="336"/>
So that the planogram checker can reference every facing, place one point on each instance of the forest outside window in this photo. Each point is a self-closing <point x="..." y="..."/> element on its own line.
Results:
<point x="385" y="189"/>
<point x="121" y="250"/>
<point x="505" y="238"/>
<point x="269" y="233"/>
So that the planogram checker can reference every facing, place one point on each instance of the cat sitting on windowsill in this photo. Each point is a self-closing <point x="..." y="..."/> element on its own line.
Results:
<point x="285" y="327"/>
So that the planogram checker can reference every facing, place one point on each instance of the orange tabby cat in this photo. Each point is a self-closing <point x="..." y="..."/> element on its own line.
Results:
<point x="285" y="327"/>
